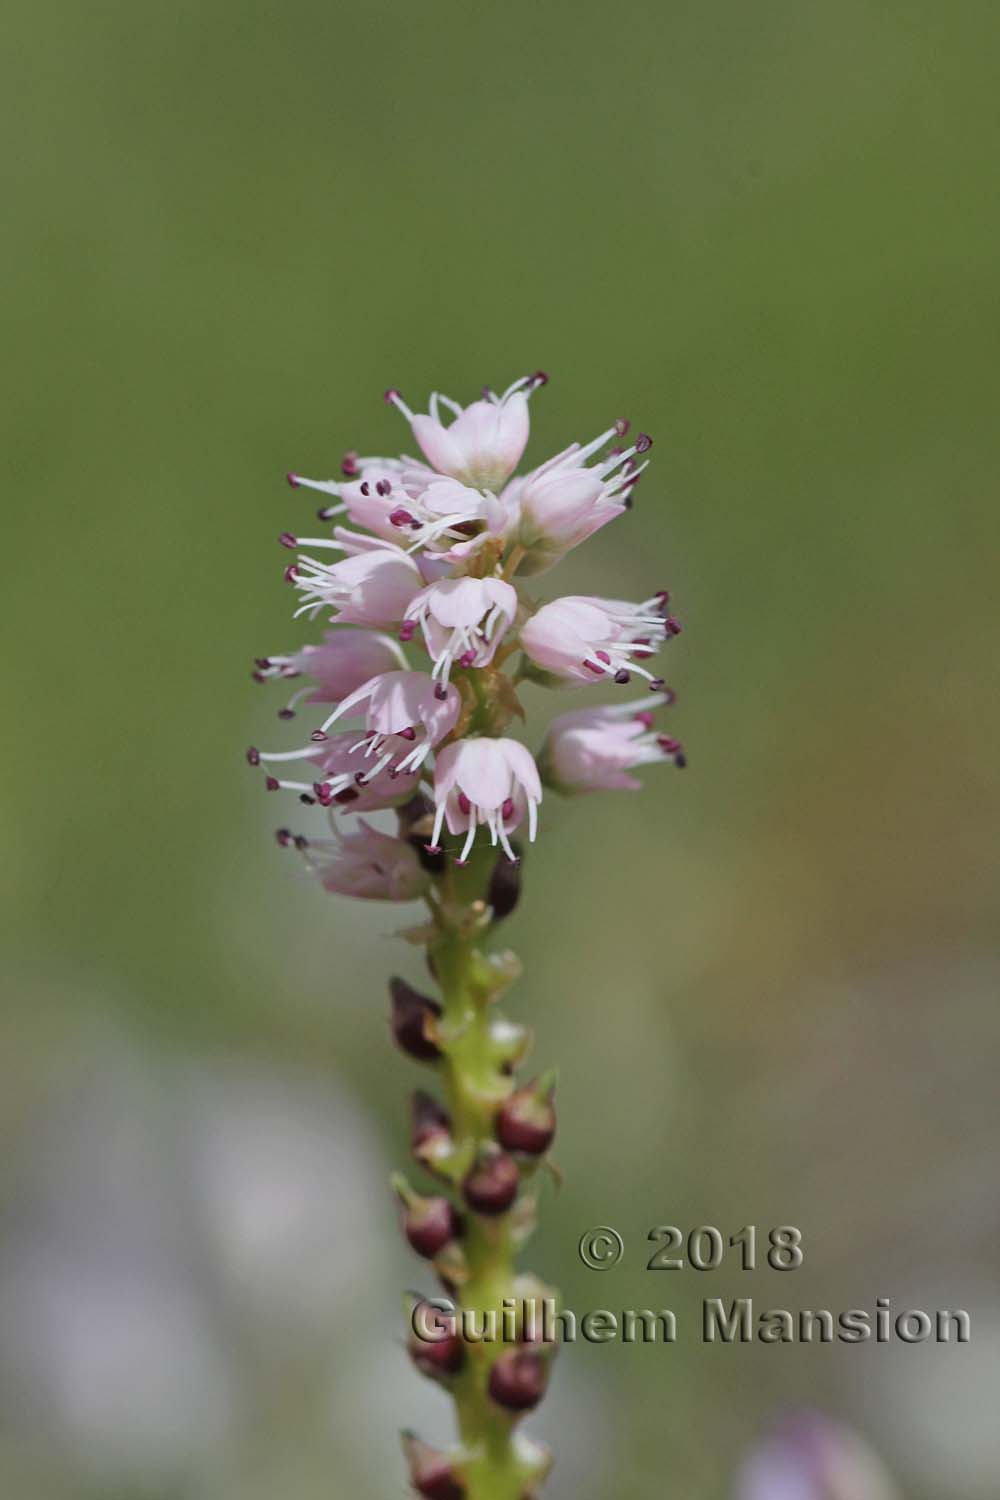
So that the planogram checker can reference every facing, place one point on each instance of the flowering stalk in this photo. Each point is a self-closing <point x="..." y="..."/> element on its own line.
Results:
<point x="420" y="686"/>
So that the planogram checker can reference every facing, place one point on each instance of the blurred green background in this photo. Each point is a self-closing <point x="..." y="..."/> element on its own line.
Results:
<point x="768" y="234"/>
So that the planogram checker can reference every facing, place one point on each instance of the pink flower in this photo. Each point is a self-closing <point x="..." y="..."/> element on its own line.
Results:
<point x="449" y="517"/>
<point x="593" y="749"/>
<point x="365" y="863"/>
<point x="588" y="639"/>
<point x="485" y="781"/>
<point x="483" y="444"/>
<point x="378" y="489"/>
<point x="372" y="585"/>
<point x="810" y="1457"/>
<point x="345" y="660"/>
<point x="348" y="778"/>
<point x="406" y="715"/>
<point x="562" y="503"/>
<point x="463" y="620"/>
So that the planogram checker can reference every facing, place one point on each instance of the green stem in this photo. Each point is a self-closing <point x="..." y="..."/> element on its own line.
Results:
<point x="474" y="1086"/>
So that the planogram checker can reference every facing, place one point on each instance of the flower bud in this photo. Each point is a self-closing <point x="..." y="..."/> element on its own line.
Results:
<point x="428" y="1223"/>
<point x="431" y="1473"/>
<point x="526" y="1120"/>
<point x="412" y="1021"/>
<point x="518" y="1379"/>
<point x="504" y="890"/>
<point x="435" y="1345"/>
<point x="491" y="1185"/>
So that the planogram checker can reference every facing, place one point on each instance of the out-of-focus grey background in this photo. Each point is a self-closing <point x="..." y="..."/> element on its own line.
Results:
<point x="768" y="234"/>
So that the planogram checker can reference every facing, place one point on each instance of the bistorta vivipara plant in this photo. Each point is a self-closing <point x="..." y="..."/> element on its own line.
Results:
<point x="415" y="692"/>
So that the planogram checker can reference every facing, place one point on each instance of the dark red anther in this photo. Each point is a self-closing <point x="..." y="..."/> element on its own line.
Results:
<point x="662" y="597"/>
<point x="286" y="713"/>
<point x="301" y="842"/>
<point x="262" y="661"/>
<point x="324" y="793"/>
<point x="287" y="540"/>
<point x="291" y="573"/>
<point x="284" y="837"/>
<point x="401" y="517"/>
<point x="349" y="794"/>
<point x="668" y="744"/>
<point x="440" y="692"/>
<point x="592" y="666"/>
<point x="621" y="676"/>
<point x="507" y="808"/>
<point x="539" y="379"/>
<point x="306" y="800"/>
<point x="467" y="657"/>
<point x="365" y="488"/>
<point x="655" y="683"/>
<point x="622" y="426"/>
<point x="643" y="443"/>
<point x="383" y="487"/>
<point x="271" y="783"/>
<point x="326" y="512"/>
<point x="409" y="733"/>
<point x="318" y="736"/>
<point x="407" y="631"/>
<point x="293" y="480"/>
<point x="465" y="806"/>
<point x="392" y="394"/>
<point x="253" y="755"/>
<point x="673" y="625"/>
<point x="646" y="718"/>
<point x="490" y="1187"/>
<point x="518" y="1379"/>
<point x="349" y="463"/>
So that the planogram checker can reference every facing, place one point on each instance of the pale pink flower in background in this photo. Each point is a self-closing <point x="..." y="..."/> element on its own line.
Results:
<point x="348" y="779"/>
<point x="482" y="445"/>
<point x="344" y="660"/>
<point x="588" y="639"/>
<point x="485" y="781"/>
<point x="372" y="585"/>
<point x="463" y="620"/>
<point x="593" y="749"/>
<point x="366" y="863"/>
<point x="810" y="1457"/>
<point x="563" y="502"/>
<point x="406" y="715"/>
